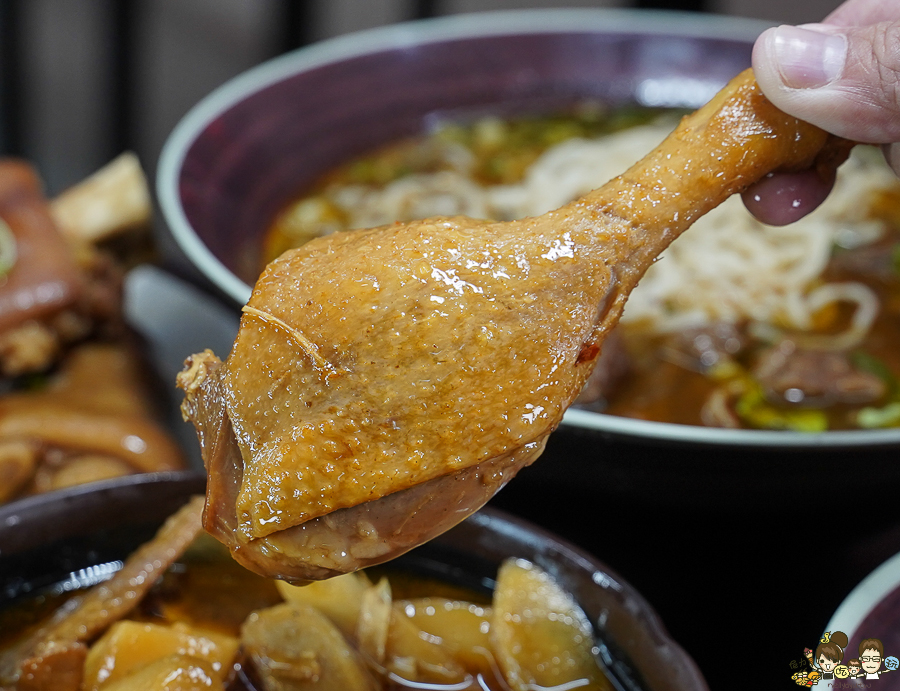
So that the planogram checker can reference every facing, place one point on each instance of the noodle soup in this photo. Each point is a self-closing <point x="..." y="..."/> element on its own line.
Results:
<point x="738" y="325"/>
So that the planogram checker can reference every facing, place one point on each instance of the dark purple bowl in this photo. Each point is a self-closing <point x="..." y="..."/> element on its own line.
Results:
<point x="258" y="140"/>
<point x="62" y="537"/>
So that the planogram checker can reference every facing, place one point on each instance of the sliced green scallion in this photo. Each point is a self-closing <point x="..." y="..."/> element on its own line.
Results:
<point x="879" y="418"/>
<point x="8" y="248"/>
<point x="754" y="410"/>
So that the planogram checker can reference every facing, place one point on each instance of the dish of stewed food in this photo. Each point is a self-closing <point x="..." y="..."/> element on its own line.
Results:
<point x="179" y="613"/>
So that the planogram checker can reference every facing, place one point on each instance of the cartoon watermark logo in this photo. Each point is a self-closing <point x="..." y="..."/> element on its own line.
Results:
<point x="828" y="661"/>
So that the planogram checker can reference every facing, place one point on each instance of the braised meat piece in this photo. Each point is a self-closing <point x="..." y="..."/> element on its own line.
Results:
<point x="701" y="349"/>
<point x="53" y="293"/>
<point x="386" y="382"/>
<point x="814" y="377"/>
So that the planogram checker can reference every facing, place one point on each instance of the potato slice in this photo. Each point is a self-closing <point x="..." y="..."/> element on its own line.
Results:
<point x="339" y="598"/>
<point x="171" y="673"/>
<point x="375" y="621"/>
<point x="18" y="461"/>
<point x="540" y="636"/>
<point x="131" y="645"/>
<point x="461" y="628"/>
<point x="89" y="468"/>
<point x="415" y="656"/>
<point x="113" y="199"/>
<point x="293" y="647"/>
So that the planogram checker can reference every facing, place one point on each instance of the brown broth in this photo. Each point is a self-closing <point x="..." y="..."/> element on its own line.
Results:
<point x="208" y="591"/>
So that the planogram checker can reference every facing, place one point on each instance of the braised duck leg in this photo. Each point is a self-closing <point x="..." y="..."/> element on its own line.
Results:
<point x="386" y="383"/>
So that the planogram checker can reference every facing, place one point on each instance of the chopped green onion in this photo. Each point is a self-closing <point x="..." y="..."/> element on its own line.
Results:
<point x="753" y="409"/>
<point x="8" y="248"/>
<point x="871" y="364"/>
<point x="895" y="258"/>
<point x="724" y="370"/>
<point x="874" y="418"/>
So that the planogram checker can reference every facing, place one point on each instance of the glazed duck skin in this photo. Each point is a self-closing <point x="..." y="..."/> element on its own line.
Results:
<point x="338" y="542"/>
<point x="372" y="365"/>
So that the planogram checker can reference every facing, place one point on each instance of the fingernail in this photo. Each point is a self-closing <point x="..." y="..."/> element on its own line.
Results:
<point x="809" y="59"/>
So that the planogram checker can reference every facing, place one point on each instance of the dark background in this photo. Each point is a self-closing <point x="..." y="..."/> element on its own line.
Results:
<point x="83" y="80"/>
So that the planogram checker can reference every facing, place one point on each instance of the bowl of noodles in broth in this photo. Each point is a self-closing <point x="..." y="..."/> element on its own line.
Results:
<point x="742" y="336"/>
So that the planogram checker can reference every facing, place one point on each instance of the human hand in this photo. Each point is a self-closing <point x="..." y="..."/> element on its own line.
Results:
<point x="842" y="75"/>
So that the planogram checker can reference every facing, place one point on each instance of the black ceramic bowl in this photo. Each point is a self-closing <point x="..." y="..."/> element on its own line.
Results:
<point x="60" y="538"/>
<point x="251" y="145"/>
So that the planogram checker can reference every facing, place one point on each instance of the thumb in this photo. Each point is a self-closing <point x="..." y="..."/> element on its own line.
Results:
<point x="843" y="79"/>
